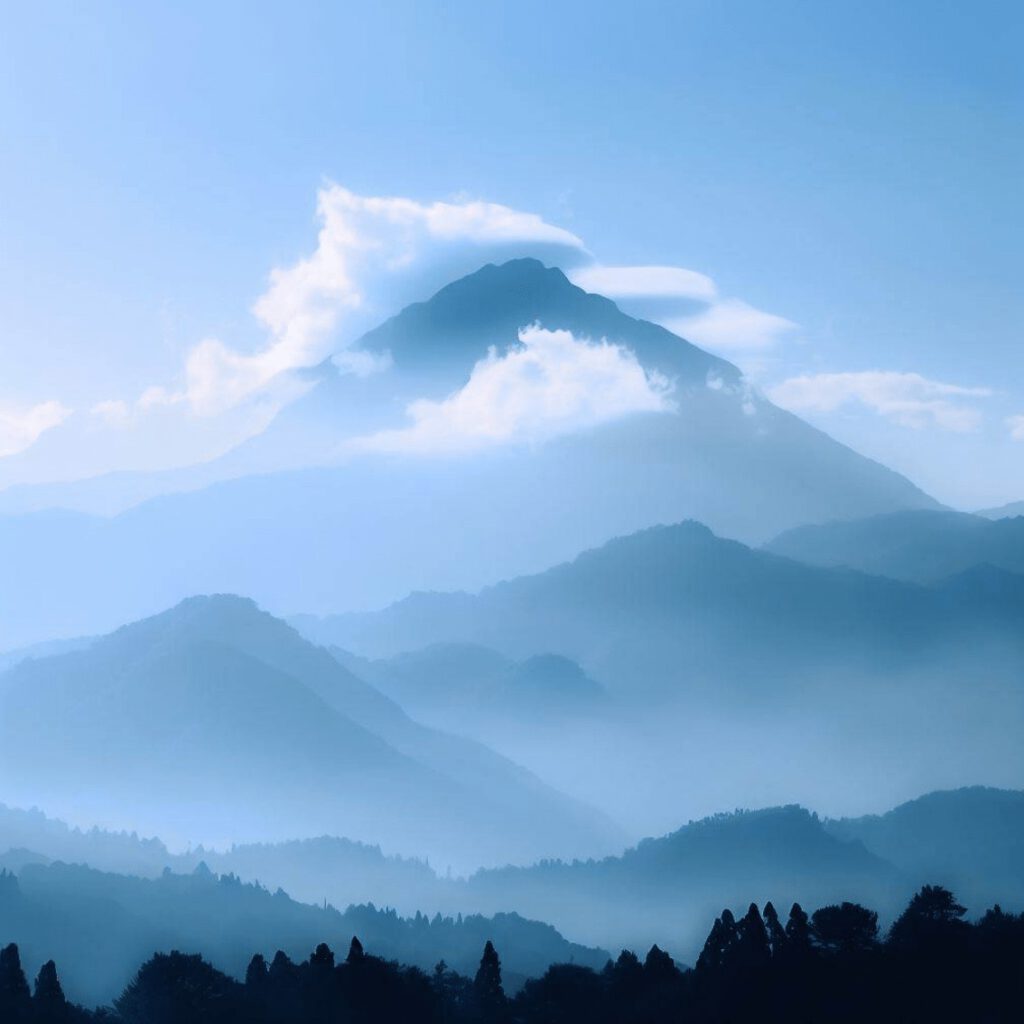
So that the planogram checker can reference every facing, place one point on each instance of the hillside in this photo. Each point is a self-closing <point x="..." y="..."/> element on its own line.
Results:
<point x="100" y="926"/>
<point x="920" y="546"/>
<point x="709" y="649"/>
<point x="216" y="722"/>
<point x="970" y="840"/>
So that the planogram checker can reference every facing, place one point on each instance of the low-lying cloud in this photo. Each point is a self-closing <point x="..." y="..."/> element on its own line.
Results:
<point x="550" y="383"/>
<point x="907" y="399"/>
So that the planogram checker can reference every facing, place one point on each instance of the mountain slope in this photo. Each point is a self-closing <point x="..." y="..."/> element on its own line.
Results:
<point x="711" y="651"/>
<point x="360" y="530"/>
<point x="219" y="722"/>
<point x="100" y="926"/>
<point x="667" y="888"/>
<point x="671" y="600"/>
<point x="1013" y="509"/>
<point x="923" y="546"/>
<point x="460" y="682"/>
<point x="969" y="840"/>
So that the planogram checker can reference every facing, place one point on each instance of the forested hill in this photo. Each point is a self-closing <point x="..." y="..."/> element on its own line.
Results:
<point x="831" y="966"/>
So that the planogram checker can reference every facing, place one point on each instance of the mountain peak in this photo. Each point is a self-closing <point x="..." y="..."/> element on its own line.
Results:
<point x="458" y="324"/>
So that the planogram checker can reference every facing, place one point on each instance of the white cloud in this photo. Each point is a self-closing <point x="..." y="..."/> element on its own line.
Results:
<point x="645" y="282"/>
<point x="549" y="384"/>
<point x="732" y="326"/>
<point x="905" y="398"/>
<point x="114" y="412"/>
<point x="365" y="245"/>
<point x="20" y="428"/>
<point x="1016" y="425"/>
<point x="688" y="304"/>
<point x="374" y="255"/>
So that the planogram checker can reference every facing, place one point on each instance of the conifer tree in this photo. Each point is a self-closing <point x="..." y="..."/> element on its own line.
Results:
<point x="776" y="933"/>
<point x="798" y="931"/>
<point x="15" y="1001"/>
<point x="487" y="987"/>
<point x="48" y="1003"/>
<point x="752" y="946"/>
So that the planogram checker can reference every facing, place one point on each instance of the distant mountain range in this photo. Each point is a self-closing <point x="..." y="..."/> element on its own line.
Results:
<point x="1014" y="508"/>
<point x="469" y="686"/>
<point x="291" y="521"/>
<point x="707" y="647"/>
<point x="220" y="719"/>
<point x="99" y="925"/>
<point x="924" y="546"/>
<point x="664" y="889"/>
<point x="969" y="840"/>
<point x="672" y="607"/>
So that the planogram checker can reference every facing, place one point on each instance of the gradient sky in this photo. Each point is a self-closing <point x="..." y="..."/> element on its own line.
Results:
<point x="852" y="168"/>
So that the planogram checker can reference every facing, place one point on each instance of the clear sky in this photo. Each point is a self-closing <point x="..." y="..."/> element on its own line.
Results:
<point x="852" y="169"/>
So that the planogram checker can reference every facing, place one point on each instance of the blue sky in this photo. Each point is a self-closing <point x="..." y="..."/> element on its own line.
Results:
<point x="852" y="168"/>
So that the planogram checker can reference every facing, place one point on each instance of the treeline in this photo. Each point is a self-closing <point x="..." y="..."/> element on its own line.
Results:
<point x="831" y="966"/>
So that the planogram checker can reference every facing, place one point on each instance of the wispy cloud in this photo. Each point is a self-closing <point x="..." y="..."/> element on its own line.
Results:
<point x="645" y="282"/>
<point x="373" y="255"/>
<point x="688" y="303"/>
<point x="550" y="383"/>
<point x="365" y="244"/>
<point x="1016" y="425"/>
<point x="21" y="427"/>
<point x="904" y="398"/>
<point x="733" y="327"/>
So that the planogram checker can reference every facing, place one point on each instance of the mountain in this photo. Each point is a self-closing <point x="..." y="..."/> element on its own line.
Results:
<point x="668" y="603"/>
<point x="298" y="520"/>
<point x="710" y="650"/>
<point x="1010" y="511"/>
<point x="468" y="683"/>
<point x="215" y="721"/>
<point x="100" y="926"/>
<point x="923" y="546"/>
<point x="970" y="840"/>
<point x="666" y="889"/>
<point x="44" y="649"/>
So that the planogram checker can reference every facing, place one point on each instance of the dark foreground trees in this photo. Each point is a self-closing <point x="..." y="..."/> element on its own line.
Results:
<point x="831" y="966"/>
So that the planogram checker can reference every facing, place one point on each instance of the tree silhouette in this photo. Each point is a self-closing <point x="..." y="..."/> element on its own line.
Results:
<point x="847" y="928"/>
<point x="776" y="933"/>
<point x="798" y="929"/>
<point x="753" y="950"/>
<point x="174" y="987"/>
<point x="256" y="973"/>
<point x="487" y="988"/>
<point x="48" y="1002"/>
<point x="15" y="1002"/>
<point x="932" y="916"/>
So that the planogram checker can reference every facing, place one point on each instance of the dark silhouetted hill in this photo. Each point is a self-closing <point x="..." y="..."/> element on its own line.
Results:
<point x="99" y="926"/>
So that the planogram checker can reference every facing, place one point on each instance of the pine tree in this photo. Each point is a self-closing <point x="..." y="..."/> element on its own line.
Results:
<point x="752" y="947"/>
<point x="798" y="931"/>
<point x="15" y="1001"/>
<point x="487" y="987"/>
<point x="776" y="933"/>
<point x="48" y="1004"/>
<point x="256" y="972"/>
